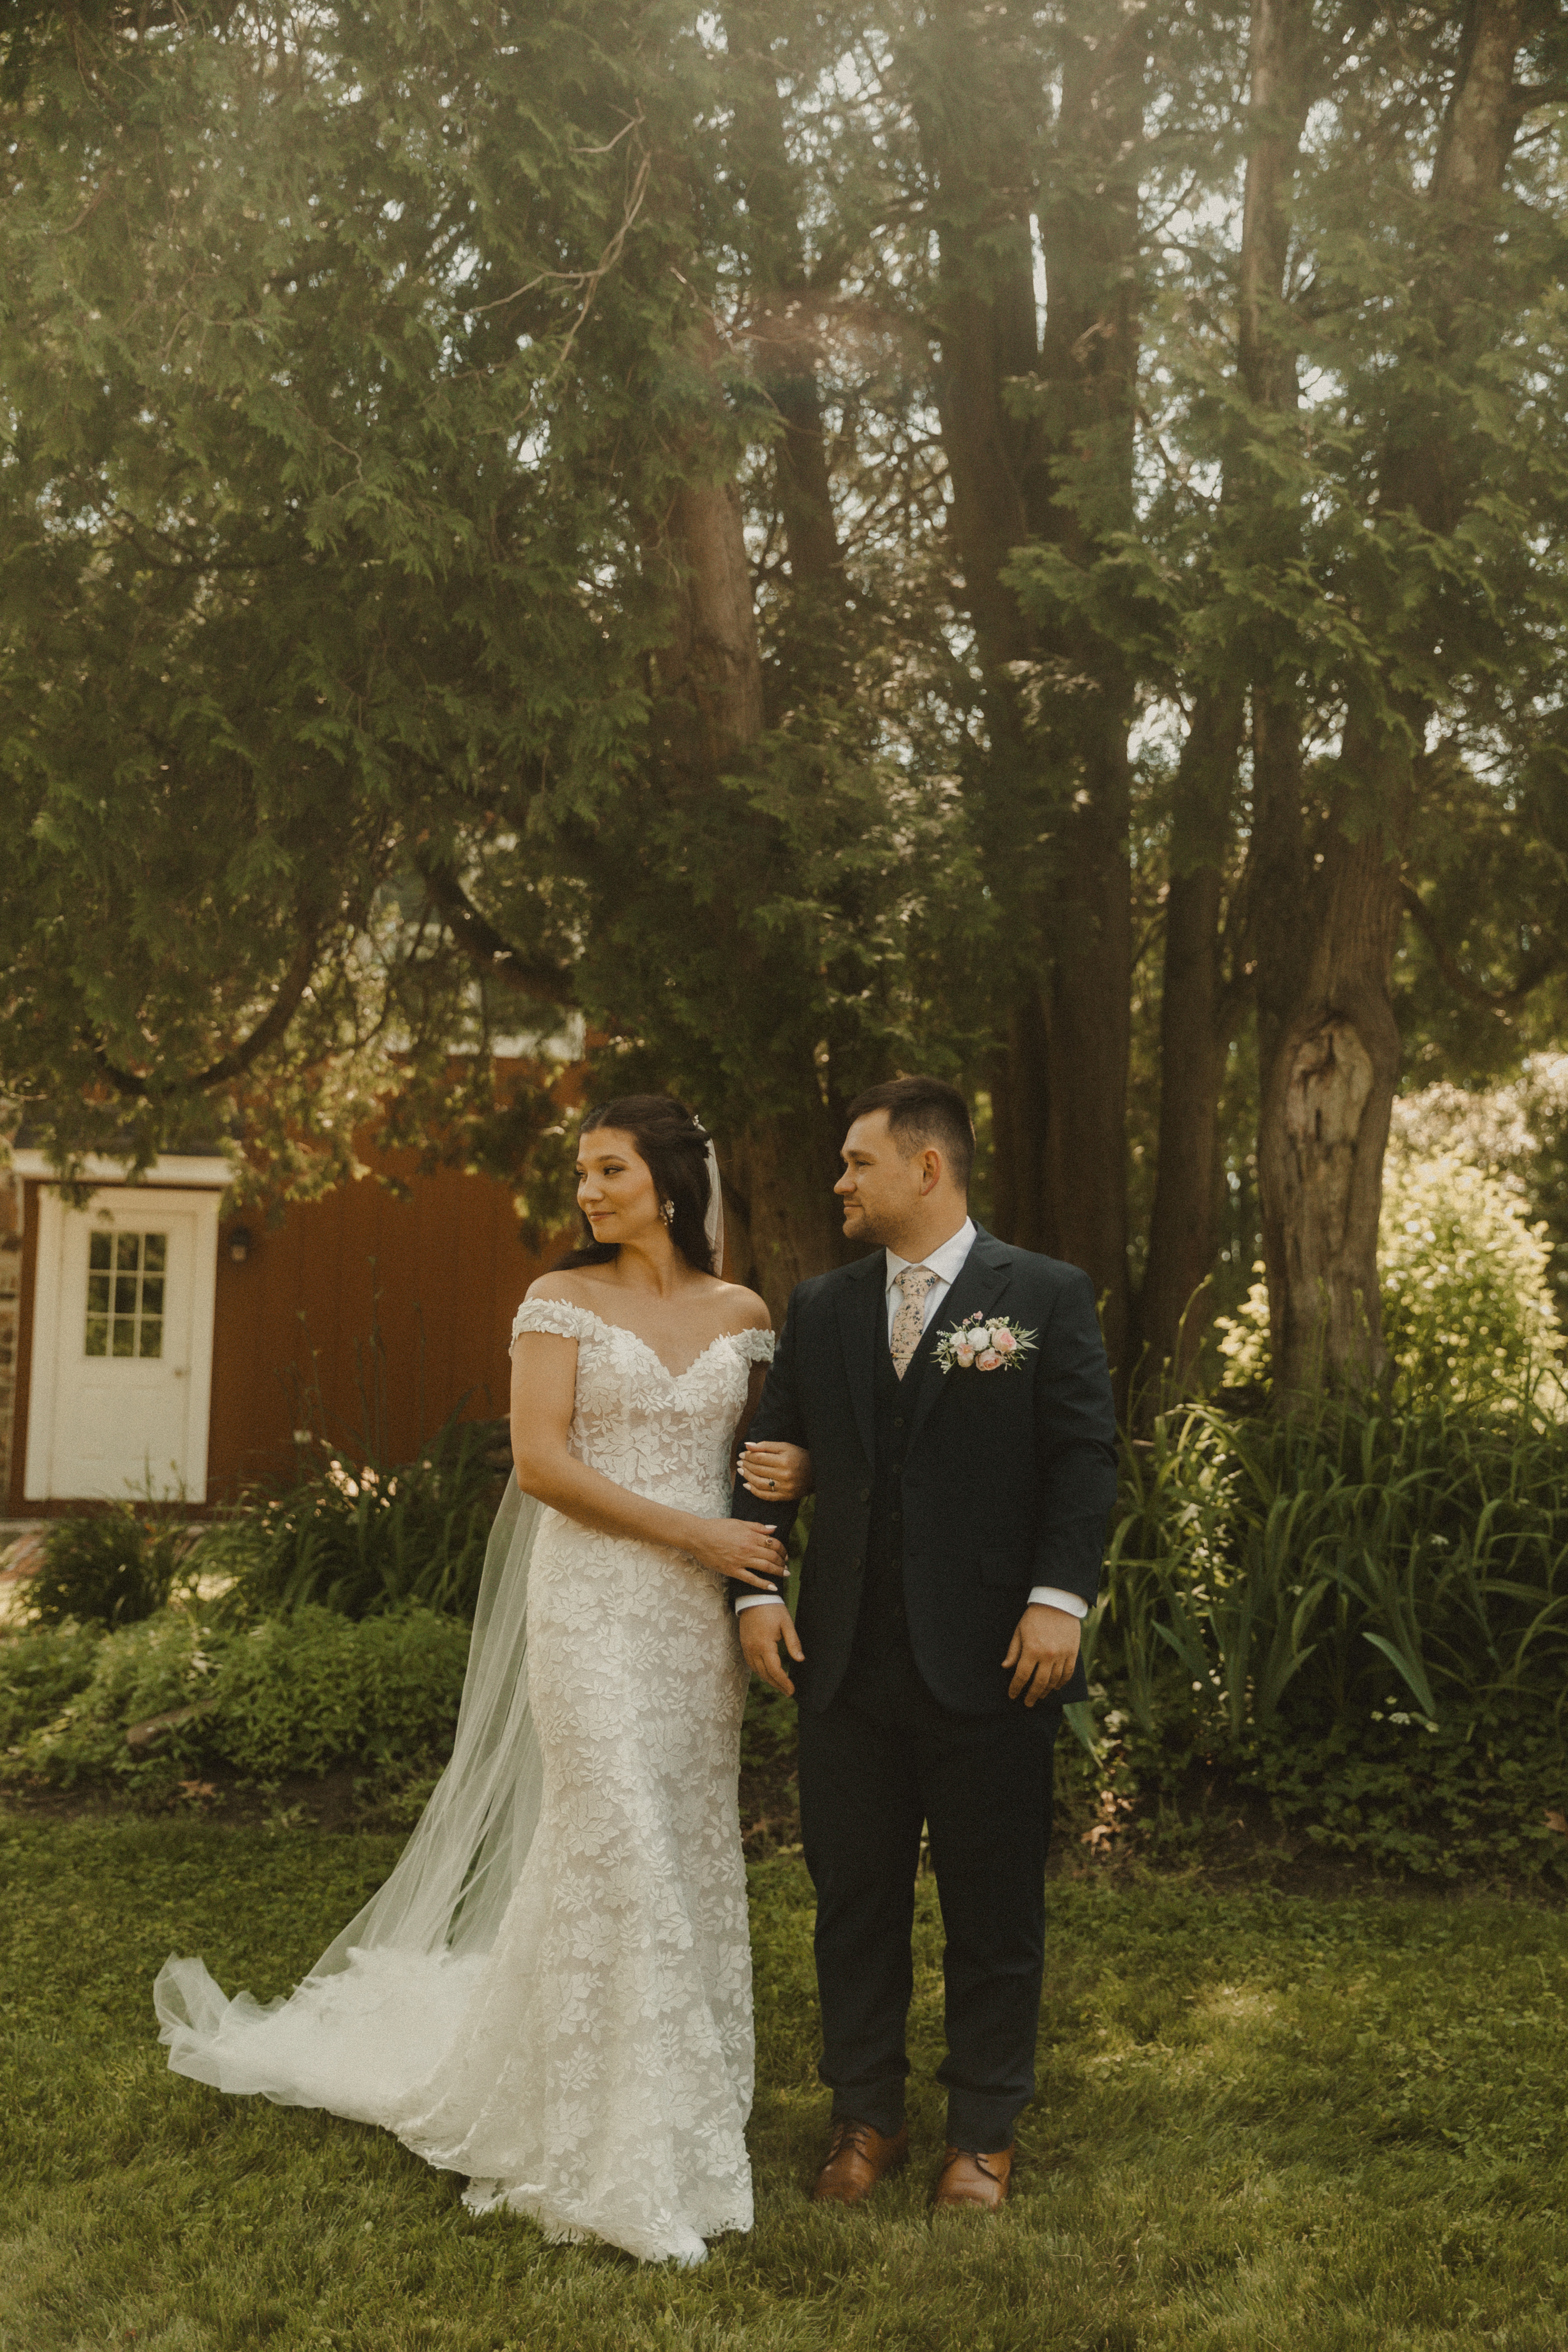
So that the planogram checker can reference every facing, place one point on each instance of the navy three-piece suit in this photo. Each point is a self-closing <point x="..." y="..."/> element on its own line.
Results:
<point x="941" y="1500"/>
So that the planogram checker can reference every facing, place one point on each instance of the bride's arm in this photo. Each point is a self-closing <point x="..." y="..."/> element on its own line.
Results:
<point x="543" y="1387"/>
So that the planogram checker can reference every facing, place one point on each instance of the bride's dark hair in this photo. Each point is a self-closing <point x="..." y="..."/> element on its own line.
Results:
<point x="674" y="1147"/>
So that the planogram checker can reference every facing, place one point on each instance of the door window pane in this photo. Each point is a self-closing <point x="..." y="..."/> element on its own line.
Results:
<point x="125" y="1294"/>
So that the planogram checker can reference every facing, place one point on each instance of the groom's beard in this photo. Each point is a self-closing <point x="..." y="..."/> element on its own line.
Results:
<point x="866" y="1226"/>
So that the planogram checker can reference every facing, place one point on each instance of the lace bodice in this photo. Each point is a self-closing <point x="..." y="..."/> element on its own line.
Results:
<point x="661" y="1433"/>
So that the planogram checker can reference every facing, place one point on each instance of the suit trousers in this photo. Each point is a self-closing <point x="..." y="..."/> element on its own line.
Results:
<point x="881" y="1758"/>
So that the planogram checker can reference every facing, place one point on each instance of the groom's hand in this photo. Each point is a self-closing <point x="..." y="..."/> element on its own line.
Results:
<point x="1042" y="1653"/>
<point x="762" y="1629"/>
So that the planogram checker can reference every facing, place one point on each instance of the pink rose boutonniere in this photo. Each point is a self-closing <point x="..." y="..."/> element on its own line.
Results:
<point x="984" y="1343"/>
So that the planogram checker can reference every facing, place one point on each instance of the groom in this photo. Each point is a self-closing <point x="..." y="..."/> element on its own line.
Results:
<point x="959" y="1519"/>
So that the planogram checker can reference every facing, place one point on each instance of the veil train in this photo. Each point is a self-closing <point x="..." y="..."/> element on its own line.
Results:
<point x="378" y="2008"/>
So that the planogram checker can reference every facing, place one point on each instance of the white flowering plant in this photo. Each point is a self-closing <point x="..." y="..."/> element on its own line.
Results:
<point x="984" y="1343"/>
<point x="1465" y="1279"/>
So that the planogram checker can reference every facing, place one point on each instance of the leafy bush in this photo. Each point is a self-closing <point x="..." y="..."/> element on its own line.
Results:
<point x="111" y="1568"/>
<point x="304" y="1694"/>
<point x="314" y="1690"/>
<point x="147" y="1669"/>
<point x="352" y="1537"/>
<point x="1363" y="1618"/>
<point x="39" y="1673"/>
<point x="1465" y="1279"/>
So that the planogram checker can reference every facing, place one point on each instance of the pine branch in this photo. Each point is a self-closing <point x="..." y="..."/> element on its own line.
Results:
<point x="1536" y="967"/>
<point x="267" y="1031"/>
<point x="483" y="945"/>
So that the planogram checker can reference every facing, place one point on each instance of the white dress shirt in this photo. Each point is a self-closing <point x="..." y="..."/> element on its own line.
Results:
<point x="946" y="1262"/>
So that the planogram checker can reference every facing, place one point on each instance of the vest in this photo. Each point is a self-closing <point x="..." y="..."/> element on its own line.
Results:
<point x="880" y="1626"/>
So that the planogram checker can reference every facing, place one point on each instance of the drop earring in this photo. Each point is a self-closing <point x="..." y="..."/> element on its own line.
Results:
<point x="667" y="1210"/>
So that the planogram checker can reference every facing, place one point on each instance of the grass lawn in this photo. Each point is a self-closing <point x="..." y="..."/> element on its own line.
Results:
<point x="1264" y="2120"/>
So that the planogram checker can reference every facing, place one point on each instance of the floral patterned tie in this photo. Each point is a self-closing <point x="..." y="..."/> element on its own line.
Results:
<point x="909" y="1321"/>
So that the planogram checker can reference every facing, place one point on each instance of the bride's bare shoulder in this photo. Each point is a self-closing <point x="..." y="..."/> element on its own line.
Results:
<point x="744" y="1309"/>
<point x="569" y="1285"/>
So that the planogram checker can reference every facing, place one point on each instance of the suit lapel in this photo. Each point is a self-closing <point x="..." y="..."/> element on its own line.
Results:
<point x="859" y="1302"/>
<point x="981" y="1279"/>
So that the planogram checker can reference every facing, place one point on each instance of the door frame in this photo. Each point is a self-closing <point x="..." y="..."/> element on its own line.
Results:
<point x="202" y="1197"/>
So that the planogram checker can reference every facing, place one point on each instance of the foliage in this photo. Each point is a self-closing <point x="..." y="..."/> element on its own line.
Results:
<point x="1347" y="2113"/>
<point x="298" y="1695"/>
<point x="1356" y="1626"/>
<point x="325" y="564"/>
<point x="156" y="1667"/>
<point x="110" y="1568"/>
<point x="397" y="330"/>
<point x="312" y="1690"/>
<point x="39" y="1672"/>
<point x="352" y="364"/>
<point x="354" y="1537"/>
<point x="1518" y="1130"/>
<point x="1468" y="1308"/>
<point x="1269" y="1582"/>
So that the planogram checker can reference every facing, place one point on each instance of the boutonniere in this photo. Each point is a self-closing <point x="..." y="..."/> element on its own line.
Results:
<point x="986" y="1343"/>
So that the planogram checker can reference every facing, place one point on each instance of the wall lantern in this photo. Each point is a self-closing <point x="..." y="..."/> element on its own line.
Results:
<point x="240" y="1242"/>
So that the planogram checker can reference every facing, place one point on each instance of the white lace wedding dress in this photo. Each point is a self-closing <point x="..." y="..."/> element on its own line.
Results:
<point x="592" y="2063"/>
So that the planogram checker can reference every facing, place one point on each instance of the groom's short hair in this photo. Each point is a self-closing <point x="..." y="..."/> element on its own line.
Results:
<point x="923" y="1114"/>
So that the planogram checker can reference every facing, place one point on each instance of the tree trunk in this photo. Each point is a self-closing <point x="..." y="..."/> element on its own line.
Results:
<point x="711" y="669"/>
<point x="1196" y="1020"/>
<point x="782" y="1222"/>
<point x="1326" y="927"/>
<point x="1327" y="1091"/>
<point x="782" y="318"/>
<point x="1052" y="796"/>
<point x="1197" y="1009"/>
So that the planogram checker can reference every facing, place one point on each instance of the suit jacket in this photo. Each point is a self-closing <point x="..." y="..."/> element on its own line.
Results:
<point x="1009" y="1478"/>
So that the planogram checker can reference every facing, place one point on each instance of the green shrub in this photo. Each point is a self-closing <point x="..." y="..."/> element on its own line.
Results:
<point x="313" y="1690"/>
<point x="40" y="1671"/>
<point x="1270" y="1584"/>
<point x="349" y="1536"/>
<point x="139" y="1671"/>
<point x="304" y="1694"/>
<point x="1466" y="1286"/>
<point x="111" y="1568"/>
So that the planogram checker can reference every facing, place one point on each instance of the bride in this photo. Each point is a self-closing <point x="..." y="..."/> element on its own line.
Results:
<point x="552" y="1993"/>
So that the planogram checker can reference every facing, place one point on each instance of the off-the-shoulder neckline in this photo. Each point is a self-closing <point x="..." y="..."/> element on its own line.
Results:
<point x="647" y="1345"/>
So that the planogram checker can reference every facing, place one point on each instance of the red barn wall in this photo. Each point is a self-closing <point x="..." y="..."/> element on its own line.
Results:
<point x="365" y="1318"/>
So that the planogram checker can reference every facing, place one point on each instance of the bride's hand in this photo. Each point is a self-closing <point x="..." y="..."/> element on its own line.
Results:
<point x="775" y="1471"/>
<point x="741" y="1550"/>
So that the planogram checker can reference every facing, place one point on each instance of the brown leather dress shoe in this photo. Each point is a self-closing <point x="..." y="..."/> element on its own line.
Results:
<point x="969" y="2179"/>
<point x="858" y="2157"/>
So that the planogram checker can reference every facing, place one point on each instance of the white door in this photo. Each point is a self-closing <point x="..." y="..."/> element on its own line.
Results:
<point x="122" y="1345"/>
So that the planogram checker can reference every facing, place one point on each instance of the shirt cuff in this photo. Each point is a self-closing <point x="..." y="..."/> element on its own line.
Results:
<point x="1047" y="1595"/>
<point x="1050" y="1598"/>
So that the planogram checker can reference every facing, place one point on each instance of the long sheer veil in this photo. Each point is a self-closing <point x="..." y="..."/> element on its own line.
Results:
<point x="455" y="1876"/>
